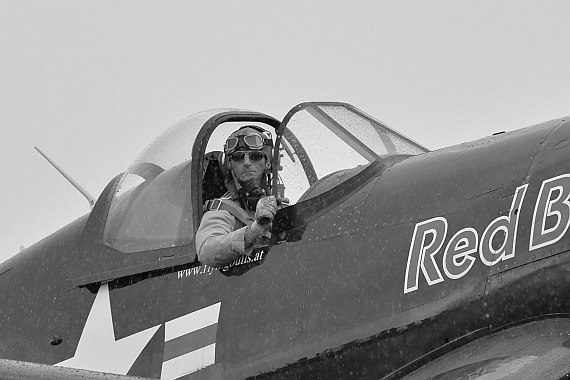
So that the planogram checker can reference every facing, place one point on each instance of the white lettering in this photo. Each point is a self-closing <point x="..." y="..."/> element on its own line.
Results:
<point x="419" y="250"/>
<point x="508" y="225"/>
<point x="457" y="259"/>
<point x="204" y="269"/>
<point x="553" y="208"/>
<point x="550" y="222"/>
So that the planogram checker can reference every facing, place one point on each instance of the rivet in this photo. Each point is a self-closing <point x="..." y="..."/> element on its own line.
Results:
<point x="56" y="340"/>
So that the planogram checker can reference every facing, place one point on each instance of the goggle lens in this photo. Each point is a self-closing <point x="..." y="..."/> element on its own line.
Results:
<point x="231" y="144"/>
<point x="252" y="141"/>
<point x="254" y="156"/>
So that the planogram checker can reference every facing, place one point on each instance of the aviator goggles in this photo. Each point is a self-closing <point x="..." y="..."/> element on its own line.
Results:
<point x="251" y="141"/>
<point x="254" y="156"/>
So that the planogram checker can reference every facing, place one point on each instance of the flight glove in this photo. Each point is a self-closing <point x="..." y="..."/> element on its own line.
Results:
<point x="264" y="214"/>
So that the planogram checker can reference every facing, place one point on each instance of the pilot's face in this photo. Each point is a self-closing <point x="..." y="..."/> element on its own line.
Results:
<point x="247" y="168"/>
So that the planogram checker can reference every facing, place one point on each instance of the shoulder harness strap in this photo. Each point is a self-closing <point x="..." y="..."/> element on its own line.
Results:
<point x="232" y="208"/>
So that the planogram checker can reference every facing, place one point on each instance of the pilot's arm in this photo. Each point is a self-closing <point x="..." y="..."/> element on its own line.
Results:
<point x="222" y="238"/>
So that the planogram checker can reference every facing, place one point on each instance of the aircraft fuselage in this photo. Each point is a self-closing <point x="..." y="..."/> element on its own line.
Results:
<point x="434" y="251"/>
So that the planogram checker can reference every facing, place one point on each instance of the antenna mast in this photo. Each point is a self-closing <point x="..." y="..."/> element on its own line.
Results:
<point x="89" y="197"/>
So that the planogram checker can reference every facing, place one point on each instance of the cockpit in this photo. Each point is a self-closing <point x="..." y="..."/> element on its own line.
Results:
<point x="148" y="216"/>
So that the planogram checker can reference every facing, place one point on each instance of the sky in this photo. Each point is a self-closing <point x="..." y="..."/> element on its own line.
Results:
<point x="93" y="83"/>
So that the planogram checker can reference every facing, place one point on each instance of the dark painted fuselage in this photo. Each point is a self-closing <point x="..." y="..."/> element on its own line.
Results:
<point x="352" y="298"/>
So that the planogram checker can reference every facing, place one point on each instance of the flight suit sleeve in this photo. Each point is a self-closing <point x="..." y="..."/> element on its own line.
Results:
<point x="220" y="239"/>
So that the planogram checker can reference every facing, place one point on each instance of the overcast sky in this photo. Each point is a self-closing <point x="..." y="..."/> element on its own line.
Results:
<point x="92" y="83"/>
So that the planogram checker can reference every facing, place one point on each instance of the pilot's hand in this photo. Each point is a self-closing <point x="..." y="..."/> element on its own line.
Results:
<point x="265" y="211"/>
<point x="282" y="202"/>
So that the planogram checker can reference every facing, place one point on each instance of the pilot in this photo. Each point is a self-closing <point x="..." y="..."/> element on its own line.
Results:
<point x="241" y="220"/>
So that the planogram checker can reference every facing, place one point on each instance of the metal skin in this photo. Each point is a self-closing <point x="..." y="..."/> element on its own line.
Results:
<point x="333" y="303"/>
<point x="15" y="370"/>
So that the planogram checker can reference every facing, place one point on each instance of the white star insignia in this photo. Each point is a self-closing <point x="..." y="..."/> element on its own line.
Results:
<point x="98" y="350"/>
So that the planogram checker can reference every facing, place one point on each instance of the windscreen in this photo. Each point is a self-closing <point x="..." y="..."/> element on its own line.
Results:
<point x="326" y="144"/>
